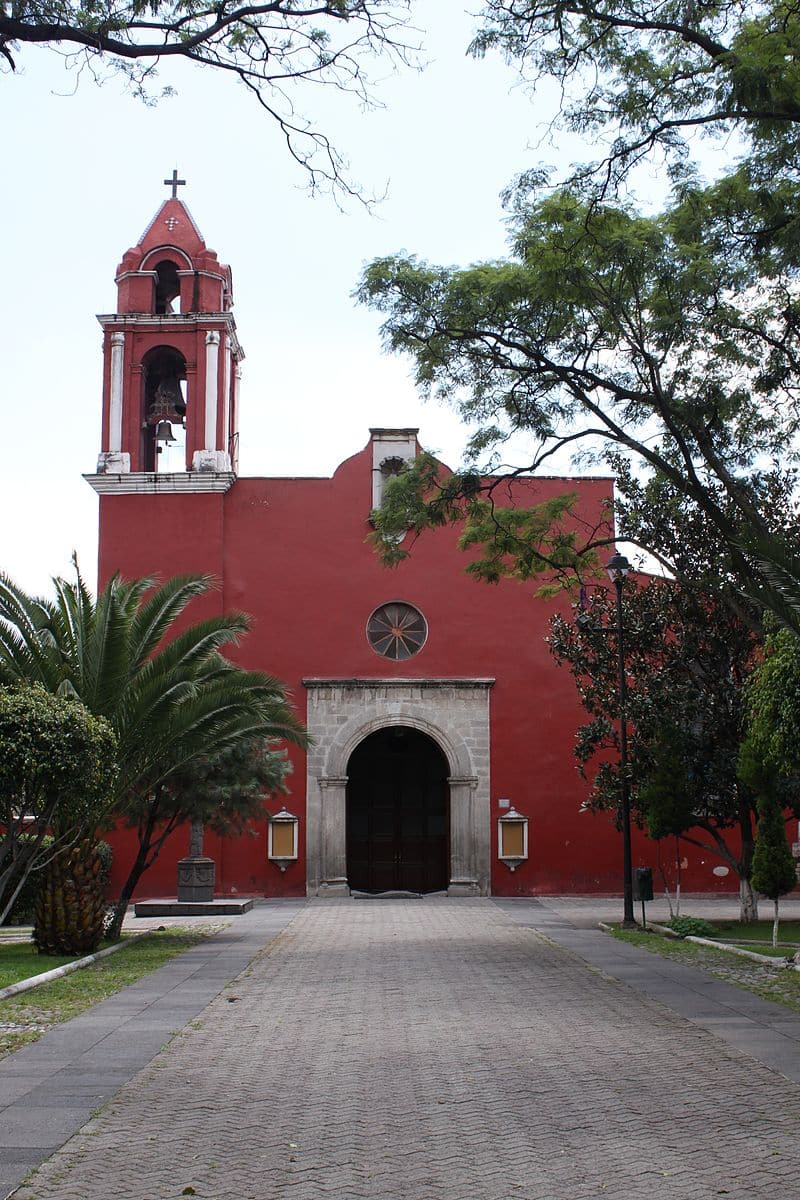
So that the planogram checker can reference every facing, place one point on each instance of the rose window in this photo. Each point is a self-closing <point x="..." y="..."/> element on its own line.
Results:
<point x="397" y="630"/>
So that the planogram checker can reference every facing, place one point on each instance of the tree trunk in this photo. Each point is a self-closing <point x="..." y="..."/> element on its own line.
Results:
<point x="748" y="902"/>
<point x="70" y="906"/>
<point x="775" y="924"/>
<point x="137" y="870"/>
<point x="662" y="872"/>
<point x="195" y="838"/>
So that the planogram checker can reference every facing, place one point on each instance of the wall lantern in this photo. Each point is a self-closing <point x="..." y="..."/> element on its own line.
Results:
<point x="282" y="838"/>
<point x="512" y="838"/>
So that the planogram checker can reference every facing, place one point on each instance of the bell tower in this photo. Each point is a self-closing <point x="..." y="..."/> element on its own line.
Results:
<point x="172" y="364"/>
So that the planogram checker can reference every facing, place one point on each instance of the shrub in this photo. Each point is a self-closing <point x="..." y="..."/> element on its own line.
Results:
<point x="690" y="927"/>
<point x="22" y="912"/>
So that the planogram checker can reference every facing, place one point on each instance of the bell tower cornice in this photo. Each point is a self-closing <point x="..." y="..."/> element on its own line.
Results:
<point x="175" y="321"/>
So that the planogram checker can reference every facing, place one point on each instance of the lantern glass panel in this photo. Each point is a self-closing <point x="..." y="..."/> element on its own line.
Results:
<point x="283" y="839"/>
<point x="513" y="839"/>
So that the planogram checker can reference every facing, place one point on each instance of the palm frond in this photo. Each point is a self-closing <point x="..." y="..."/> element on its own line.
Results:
<point x="778" y="591"/>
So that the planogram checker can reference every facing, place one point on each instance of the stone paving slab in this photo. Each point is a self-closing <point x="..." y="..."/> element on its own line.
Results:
<point x="747" y="1022"/>
<point x="426" y="1050"/>
<point x="50" y="1088"/>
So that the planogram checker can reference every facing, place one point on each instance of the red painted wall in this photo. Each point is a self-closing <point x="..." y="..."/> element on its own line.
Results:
<point x="293" y="554"/>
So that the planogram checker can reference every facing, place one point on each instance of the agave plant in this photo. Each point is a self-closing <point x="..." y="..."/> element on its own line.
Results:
<point x="169" y="695"/>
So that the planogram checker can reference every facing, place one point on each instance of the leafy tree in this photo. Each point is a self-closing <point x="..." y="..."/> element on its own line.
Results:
<point x="686" y="659"/>
<point x="774" y="872"/>
<point x="268" y="47"/>
<point x="57" y="772"/>
<point x="772" y="747"/>
<point x="649" y="73"/>
<point x="662" y="345"/>
<point x="224" y="792"/>
<point x="617" y="334"/>
<point x="165" y="688"/>
<point x="769" y="760"/>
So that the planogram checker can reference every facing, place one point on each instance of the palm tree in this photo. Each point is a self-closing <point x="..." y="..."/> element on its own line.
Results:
<point x="169" y="696"/>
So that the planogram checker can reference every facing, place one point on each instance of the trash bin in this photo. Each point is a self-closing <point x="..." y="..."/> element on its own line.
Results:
<point x="643" y="883"/>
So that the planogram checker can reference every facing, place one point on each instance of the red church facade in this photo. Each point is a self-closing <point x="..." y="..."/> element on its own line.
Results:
<point x="434" y="706"/>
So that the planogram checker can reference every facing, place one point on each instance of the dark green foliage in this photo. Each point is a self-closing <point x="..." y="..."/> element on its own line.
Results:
<point x="168" y="696"/>
<point x="227" y="791"/>
<point x="616" y="335"/>
<point x="21" y="912"/>
<point x="58" y="774"/>
<point x="772" y="748"/>
<point x="540" y="540"/>
<point x="687" y="655"/>
<point x="773" y="866"/>
<point x="651" y="72"/>
<point x="662" y="345"/>
<point x="690" y="927"/>
<point x="106" y="862"/>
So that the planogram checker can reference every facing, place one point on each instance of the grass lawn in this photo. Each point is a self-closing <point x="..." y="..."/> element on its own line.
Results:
<point x="781" y="986"/>
<point x="26" y="1017"/>
<point x="21" y="960"/>
<point x="758" y="931"/>
<point x="779" y="951"/>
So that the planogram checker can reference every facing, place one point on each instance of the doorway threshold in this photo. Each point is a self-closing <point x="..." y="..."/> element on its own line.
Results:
<point x="395" y="894"/>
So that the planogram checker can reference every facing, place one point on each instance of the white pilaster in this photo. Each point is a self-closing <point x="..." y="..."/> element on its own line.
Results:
<point x="212" y="388"/>
<point x="115" y="399"/>
<point x="226" y="398"/>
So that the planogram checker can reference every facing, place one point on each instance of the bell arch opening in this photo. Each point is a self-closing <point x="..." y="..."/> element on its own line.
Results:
<point x="166" y="287"/>
<point x="164" y="410"/>
<point x="398" y="813"/>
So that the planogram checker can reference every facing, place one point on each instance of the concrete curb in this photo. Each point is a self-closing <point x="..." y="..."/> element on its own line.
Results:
<point x="769" y="959"/>
<point x="25" y="985"/>
<point x="779" y="964"/>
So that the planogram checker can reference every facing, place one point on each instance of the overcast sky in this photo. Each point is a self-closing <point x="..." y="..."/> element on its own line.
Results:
<point x="84" y="170"/>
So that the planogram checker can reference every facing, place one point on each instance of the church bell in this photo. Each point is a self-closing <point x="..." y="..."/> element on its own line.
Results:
<point x="164" y="432"/>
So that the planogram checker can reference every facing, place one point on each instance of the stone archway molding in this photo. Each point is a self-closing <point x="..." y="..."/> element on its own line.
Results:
<point x="454" y="713"/>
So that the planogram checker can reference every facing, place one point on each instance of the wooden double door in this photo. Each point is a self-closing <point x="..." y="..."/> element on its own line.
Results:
<point x="398" y="814"/>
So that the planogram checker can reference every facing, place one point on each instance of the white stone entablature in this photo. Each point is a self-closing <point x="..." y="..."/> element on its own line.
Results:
<point x="453" y="712"/>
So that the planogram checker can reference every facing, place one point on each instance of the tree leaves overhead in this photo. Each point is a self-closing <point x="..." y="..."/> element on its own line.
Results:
<point x="626" y="338"/>
<point x="268" y="47"/>
<point x="647" y="74"/>
<point x="537" y="539"/>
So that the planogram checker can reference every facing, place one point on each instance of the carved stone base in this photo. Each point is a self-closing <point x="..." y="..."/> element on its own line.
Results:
<point x="195" y="880"/>
<point x="334" y="887"/>
<point x="206" y="461"/>
<point x="464" y="887"/>
<point x="112" y="462"/>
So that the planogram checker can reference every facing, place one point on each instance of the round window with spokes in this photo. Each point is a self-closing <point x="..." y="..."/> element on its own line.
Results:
<point x="397" y="630"/>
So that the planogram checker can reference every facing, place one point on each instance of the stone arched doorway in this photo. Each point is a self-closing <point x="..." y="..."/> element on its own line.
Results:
<point x="398" y="834"/>
<point x="342" y="713"/>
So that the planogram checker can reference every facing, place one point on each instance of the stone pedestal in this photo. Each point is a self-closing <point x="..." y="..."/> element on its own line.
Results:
<point x="113" y="462"/>
<point x="195" y="880"/>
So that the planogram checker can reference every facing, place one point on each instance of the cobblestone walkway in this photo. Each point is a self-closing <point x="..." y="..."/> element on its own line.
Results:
<point x="414" y="1050"/>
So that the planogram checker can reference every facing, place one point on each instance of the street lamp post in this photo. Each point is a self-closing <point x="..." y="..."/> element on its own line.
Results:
<point x="618" y="568"/>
